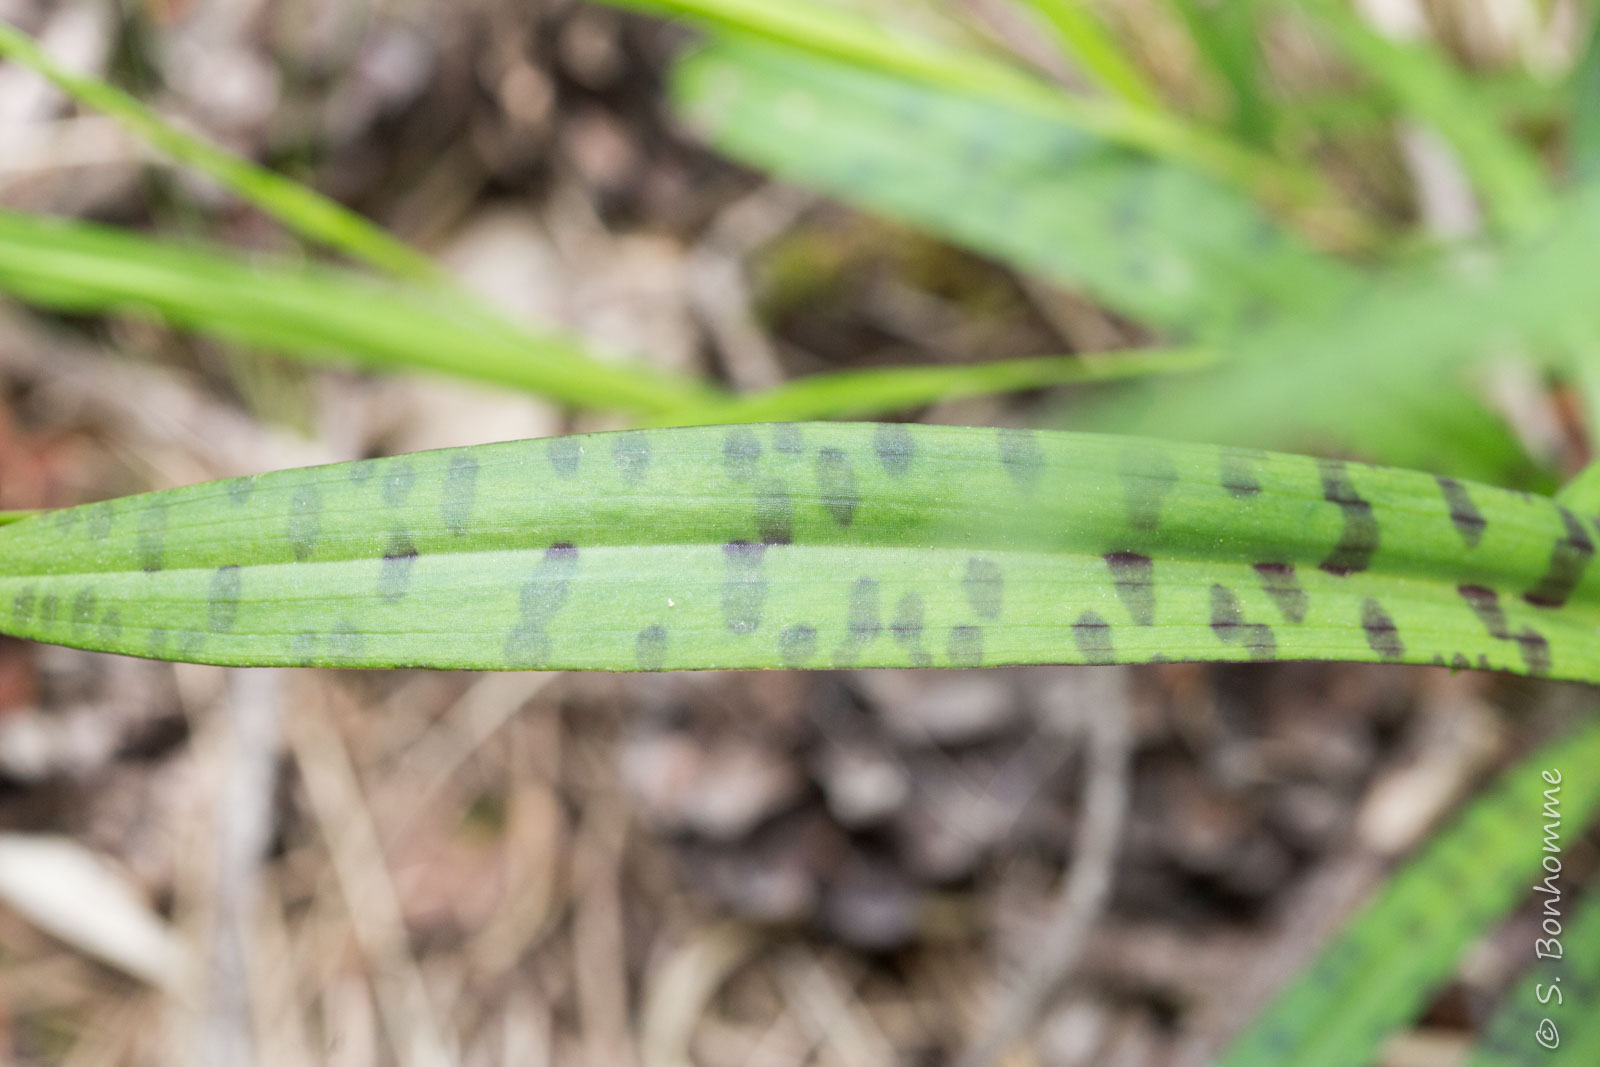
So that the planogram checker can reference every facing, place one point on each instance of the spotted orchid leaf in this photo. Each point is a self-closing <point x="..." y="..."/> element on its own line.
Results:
<point x="1150" y="239"/>
<point x="1142" y="236"/>
<point x="816" y="545"/>
<point x="1381" y="970"/>
<point x="1550" y="1012"/>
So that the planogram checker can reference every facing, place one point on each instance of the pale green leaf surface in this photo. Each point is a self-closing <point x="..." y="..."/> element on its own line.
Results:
<point x="1391" y="957"/>
<point x="1150" y="240"/>
<point x="1569" y="988"/>
<point x="816" y="545"/>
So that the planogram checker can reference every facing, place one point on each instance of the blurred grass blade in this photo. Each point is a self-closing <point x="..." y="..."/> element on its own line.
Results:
<point x="1584" y="150"/>
<point x="298" y="207"/>
<point x="830" y="33"/>
<point x="874" y="391"/>
<point x="313" y="312"/>
<point x="1152" y="241"/>
<point x="1558" y="1001"/>
<point x="1386" y="964"/>
<point x="1227" y="36"/>
<point x="1508" y="176"/>
<point x="1095" y="51"/>
<point x="816" y="545"/>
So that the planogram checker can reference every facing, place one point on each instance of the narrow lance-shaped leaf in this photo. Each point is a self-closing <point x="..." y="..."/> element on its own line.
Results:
<point x="1382" y="969"/>
<point x="816" y="545"/>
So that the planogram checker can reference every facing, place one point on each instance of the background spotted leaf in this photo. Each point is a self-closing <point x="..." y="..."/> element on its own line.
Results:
<point x="817" y="545"/>
<point x="1558" y="999"/>
<point x="1390" y="959"/>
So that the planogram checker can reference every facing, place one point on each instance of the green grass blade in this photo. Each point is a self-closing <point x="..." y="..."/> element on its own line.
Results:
<point x="1508" y="175"/>
<point x="1095" y="51"/>
<point x="1559" y="999"/>
<point x="313" y="312"/>
<point x="1227" y="37"/>
<point x="831" y="33"/>
<point x="816" y="545"/>
<point x="874" y="391"/>
<point x="1155" y="242"/>
<point x="302" y="209"/>
<point x="1383" y="968"/>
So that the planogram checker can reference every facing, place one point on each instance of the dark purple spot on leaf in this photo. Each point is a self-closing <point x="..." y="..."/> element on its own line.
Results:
<point x="1535" y="651"/>
<point x="222" y="605"/>
<point x="1283" y="586"/>
<point x="303" y="648"/>
<point x="1383" y="636"/>
<point x="836" y="485"/>
<point x="741" y="453"/>
<point x="896" y="448"/>
<point x="1132" y="575"/>
<point x="98" y="525"/>
<point x="394" y="577"/>
<point x="797" y="645"/>
<point x="460" y="493"/>
<point x="1092" y="635"/>
<point x="1569" y="558"/>
<point x="650" y="649"/>
<point x="22" y="605"/>
<point x="1021" y="456"/>
<point x="774" y="513"/>
<point x="111" y="626"/>
<point x="1485" y="604"/>
<point x="83" y="607"/>
<point x="1464" y="514"/>
<point x="1147" y="475"/>
<point x="630" y="451"/>
<point x="305" y="521"/>
<point x="786" y="438"/>
<point x="150" y="543"/>
<point x="399" y="477"/>
<point x="1359" y="538"/>
<point x="346" y="644"/>
<point x="907" y="622"/>
<point x="966" y="646"/>
<point x="744" y="586"/>
<point x="862" y="622"/>
<point x="985" y="587"/>
<point x="565" y="454"/>
<point x="1227" y="622"/>
<point x="1238" y="473"/>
